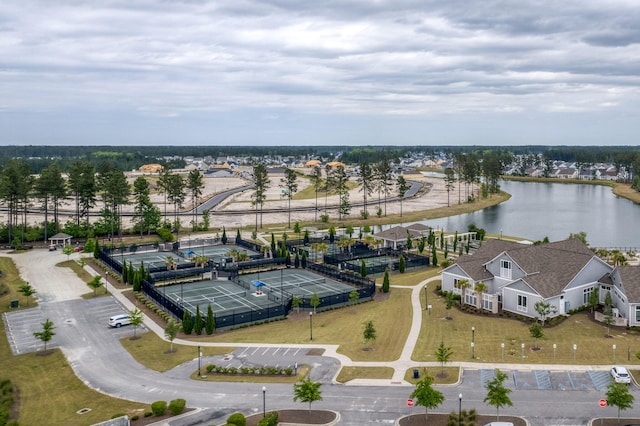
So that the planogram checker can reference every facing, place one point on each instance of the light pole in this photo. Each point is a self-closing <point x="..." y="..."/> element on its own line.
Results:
<point x="264" y="401"/>
<point x="614" y="353"/>
<point x="554" y="352"/>
<point x="522" y="346"/>
<point x="310" y="325"/>
<point x="574" y="352"/>
<point x="459" y="409"/>
<point x="502" y="348"/>
<point x="199" y="358"/>
<point x="426" y="301"/>
<point x="473" y="342"/>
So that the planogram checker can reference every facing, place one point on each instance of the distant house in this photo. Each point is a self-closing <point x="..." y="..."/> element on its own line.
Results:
<point x="516" y="276"/>
<point x="150" y="168"/>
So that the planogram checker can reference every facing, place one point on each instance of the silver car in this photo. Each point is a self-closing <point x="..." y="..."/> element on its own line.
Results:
<point x="119" y="320"/>
<point x="620" y="374"/>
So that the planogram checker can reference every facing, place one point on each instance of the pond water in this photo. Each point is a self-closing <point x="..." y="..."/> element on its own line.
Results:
<point x="554" y="210"/>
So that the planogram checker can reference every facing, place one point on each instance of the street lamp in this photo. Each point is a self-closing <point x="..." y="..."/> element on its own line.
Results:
<point x="614" y="353"/>
<point x="502" y="347"/>
<point x="459" y="409"/>
<point x="473" y="342"/>
<point x="310" y="325"/>
<point x="264" y="401"/>
<point x="199" y="358"/>
<point x="554" y="352"/>
<point x="574" y="352"/>
<point x="426" y="301"/>
<point x="522" y="346"/>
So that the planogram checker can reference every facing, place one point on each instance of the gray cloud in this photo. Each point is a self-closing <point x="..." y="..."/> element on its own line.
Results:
<point x="357" y="60"/>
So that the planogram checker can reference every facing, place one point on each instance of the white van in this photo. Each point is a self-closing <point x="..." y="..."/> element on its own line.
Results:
<point x="499" y="424"/>
<point x="119" y="320"/>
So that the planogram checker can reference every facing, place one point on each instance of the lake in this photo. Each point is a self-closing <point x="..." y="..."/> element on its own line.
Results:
<point x="554" y="210"/>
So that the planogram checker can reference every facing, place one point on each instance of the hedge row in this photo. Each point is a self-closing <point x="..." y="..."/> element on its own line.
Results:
<point x="263" y="371"/>
<point x="152" y="306"/>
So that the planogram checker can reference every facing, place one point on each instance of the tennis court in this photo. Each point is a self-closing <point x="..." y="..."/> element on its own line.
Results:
<point x="150" y="259"/>
<point x="216" y="252"/>
<point x="298" y="282"/>
<point x="221" y="295"/>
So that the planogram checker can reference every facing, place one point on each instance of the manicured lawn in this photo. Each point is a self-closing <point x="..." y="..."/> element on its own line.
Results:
<point x="441" y="376"/>
<point x="154" y="353"/>
<point x="592" y="347"/>
<point x="343" y="327"/>
<point x="10" y="277"/>
<point x="350" y="373"/>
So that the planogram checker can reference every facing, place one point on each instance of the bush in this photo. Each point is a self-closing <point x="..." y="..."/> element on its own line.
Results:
<point x="237" y="419"/>
<point x="271" y="419"/>
<point x="165" y="234"/>
<point x="159" y="408"/>
<point x="177" y="406"/>
<point x="134" y="418"/>
<point x="148" y="414"/>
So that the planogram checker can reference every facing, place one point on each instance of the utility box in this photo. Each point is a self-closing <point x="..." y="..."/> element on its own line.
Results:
<point x="15" y="303"/>
<point x="416" y="374"/>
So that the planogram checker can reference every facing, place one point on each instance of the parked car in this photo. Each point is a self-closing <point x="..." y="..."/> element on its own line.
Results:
<point x="78" y="248"/>
<point x="620" y="374"/>
<point x="119" y="320"/>
<point x="499" y="424"/>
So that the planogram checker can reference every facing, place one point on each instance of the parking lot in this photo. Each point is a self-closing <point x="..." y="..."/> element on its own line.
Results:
<point x="543" y="379"/>
<point x="20" y="325"/>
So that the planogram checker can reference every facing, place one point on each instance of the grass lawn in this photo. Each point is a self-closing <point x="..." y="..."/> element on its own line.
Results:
<point x="343" y="327"/>
<point x="411" y="277"/>
<point x="441" y="376"/>
<point x="154" y="353"/>
<point x="10" y="278"/>
<point x="49" y="391"/>
<point x="593" y="348"/>
<point x="350" y="373"/>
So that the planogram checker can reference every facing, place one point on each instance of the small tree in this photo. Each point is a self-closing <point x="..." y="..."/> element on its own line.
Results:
<point x="369" y="332"/>
<point x="303" y="261"/>
<point x="296" y="260"/>
<point x="608" y="312"/>
<point x="224" y="236"/>
<point x="401" y="264"/>
<point x="385" y="281"/>
<point x="434" y="256"/>
<point x="536" y="332"/>
<point x="95" y="284"/>
<point x="315" y="301"/>
<point x="354" y="296"/>
<point x="426" y="396"/>
<point x="27" y="291"/>
<point x="46" y="334"/>
<point x="443" y="355"/>
<point x="594" y="299"/>
<point x="363" y="268"/>
<point x="197" y="323"/>
<point x="187" y="322"/>
<point x="307" y="391"/>
<point x="171" y="331"/>
<point x="210" y="323"/>
<point x="68" y="250"/>
<point x="449" y="301"/>
<point x="497" y="393"/>
<point x="543" y="309"/>
<point x="135" y="316"/>
<point x="618" y="395"/>
<point x="296" y="302"/>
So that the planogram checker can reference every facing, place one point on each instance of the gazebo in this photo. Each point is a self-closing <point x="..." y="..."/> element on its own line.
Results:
<point x="60" y="239"/>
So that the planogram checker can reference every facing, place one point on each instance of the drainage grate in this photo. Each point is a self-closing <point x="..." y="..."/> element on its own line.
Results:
<point x="83" y="410"/>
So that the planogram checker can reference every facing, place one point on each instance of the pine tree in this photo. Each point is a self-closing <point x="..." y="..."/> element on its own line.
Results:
<point x="125" y="273"/>
<point x="385" y="281"/>
<point x="210" y="325"/>
<point x="401" y="265"/>
<point x="197" y="324"/>
<point x="187" y="322"/>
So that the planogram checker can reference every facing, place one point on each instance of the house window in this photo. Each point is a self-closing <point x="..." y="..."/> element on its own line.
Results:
<point x="637" y="314"/>
<point x="505" y="269"/>
<point x="487" y="302"/>
<point x="456" y="286"/>
<point x="522" y="303"/>
<point x="586" y="295"/>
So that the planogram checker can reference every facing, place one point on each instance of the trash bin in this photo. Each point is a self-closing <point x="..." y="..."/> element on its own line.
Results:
<point x="416" y="374"/>
<point x="14" y="303"/>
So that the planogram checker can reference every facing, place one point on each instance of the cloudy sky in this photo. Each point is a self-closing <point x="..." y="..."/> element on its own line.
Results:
<point x="337" y="72"/>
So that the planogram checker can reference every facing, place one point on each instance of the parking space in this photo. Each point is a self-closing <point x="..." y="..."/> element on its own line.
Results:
<point x="543" y="379"/>
<point x="20" y="325"/>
